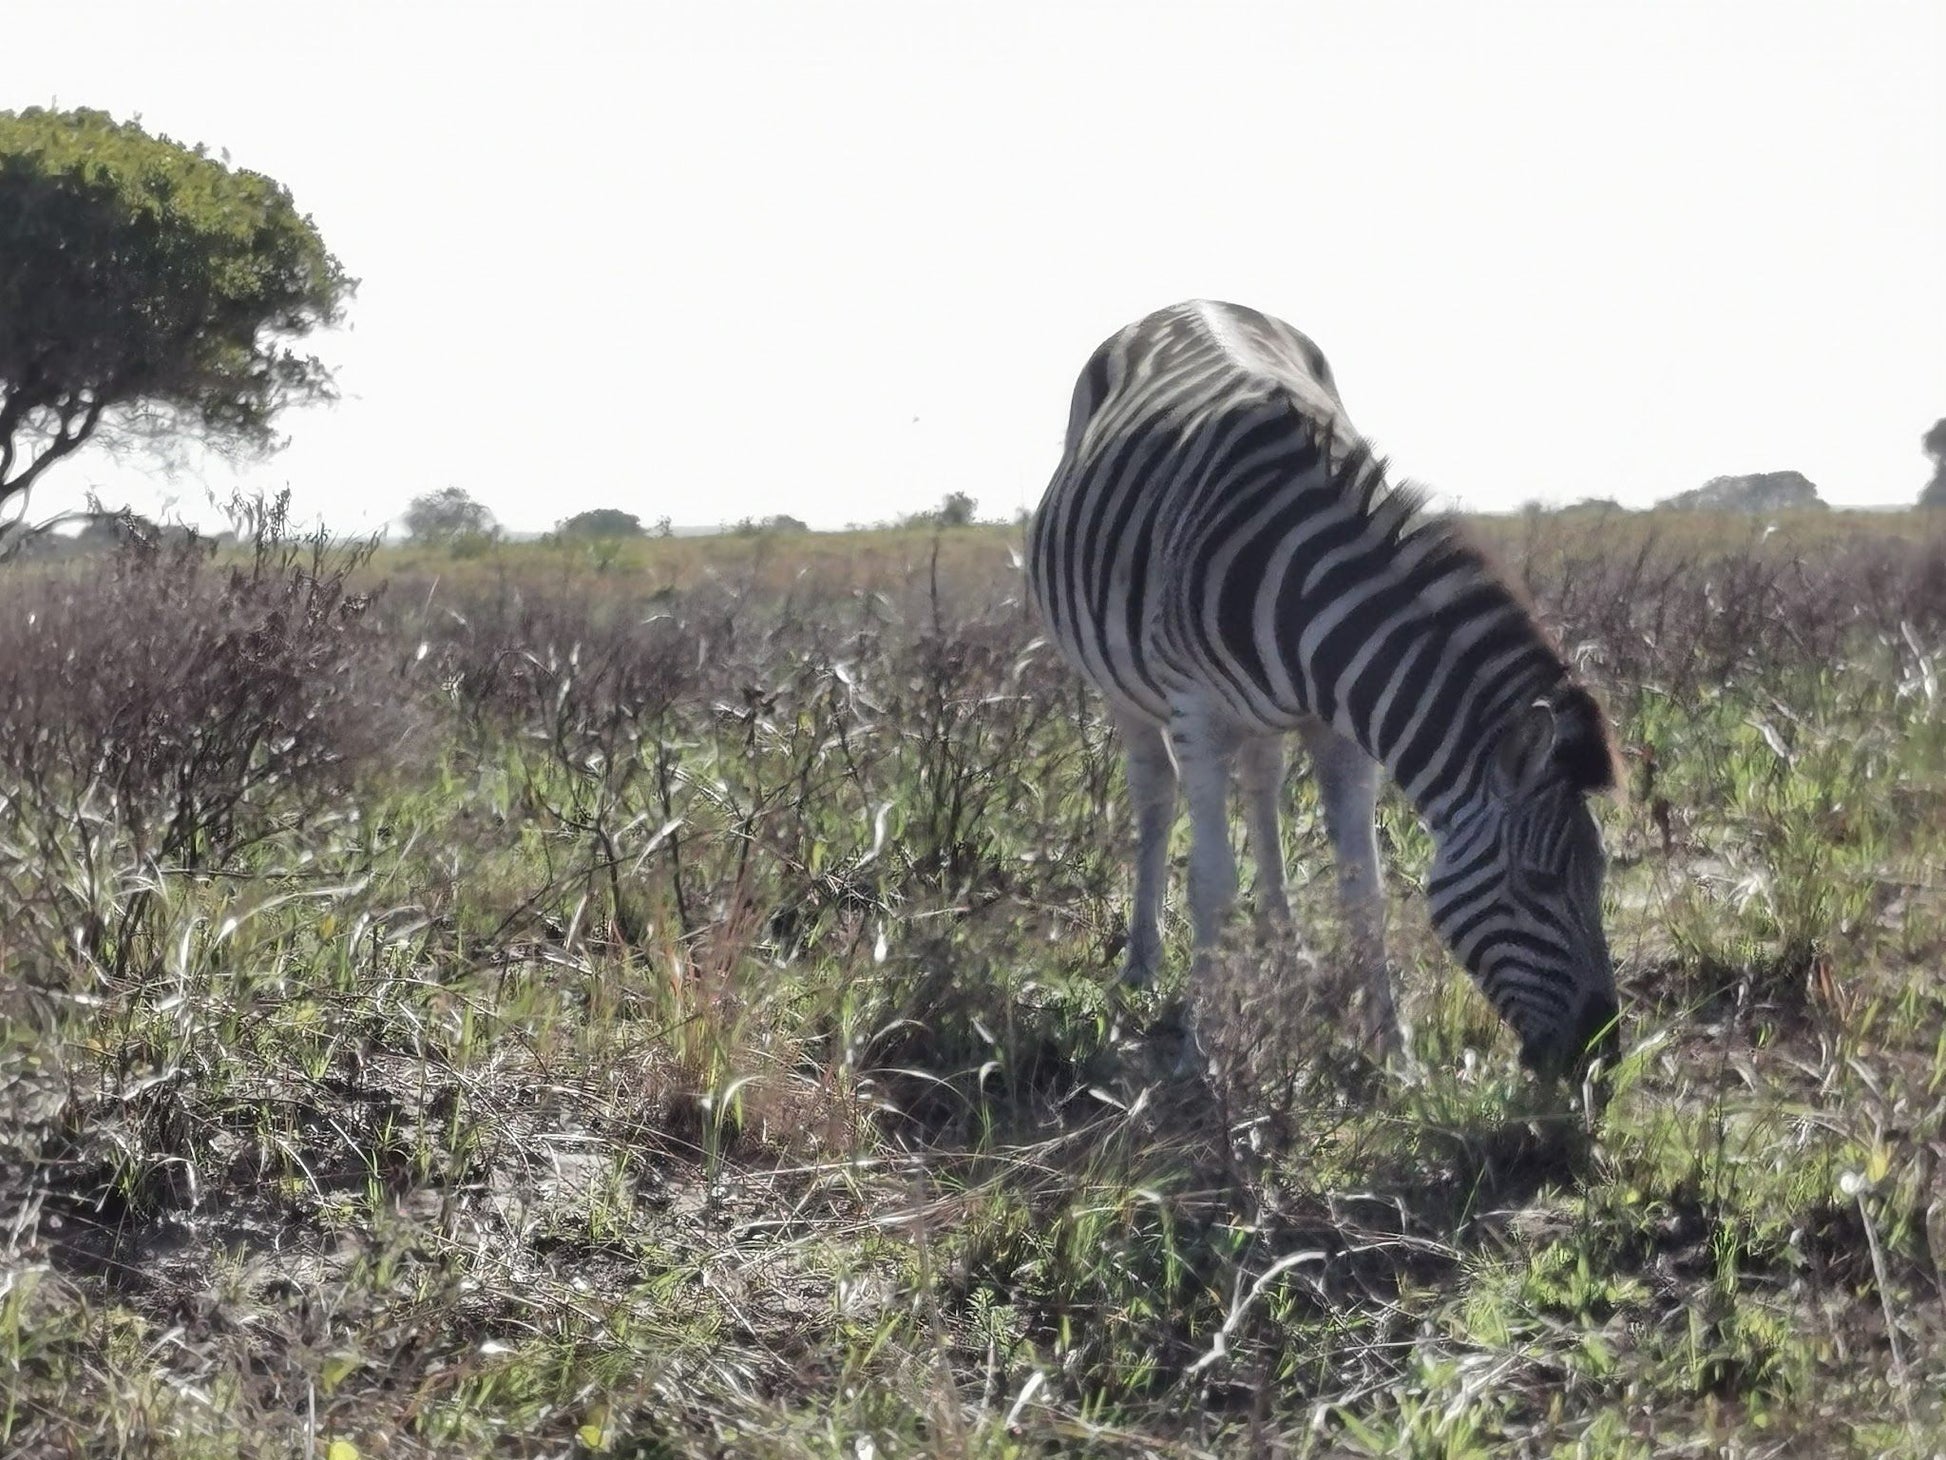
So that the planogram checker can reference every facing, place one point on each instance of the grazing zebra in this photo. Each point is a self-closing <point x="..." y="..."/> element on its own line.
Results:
<point x="1219" y="553"/>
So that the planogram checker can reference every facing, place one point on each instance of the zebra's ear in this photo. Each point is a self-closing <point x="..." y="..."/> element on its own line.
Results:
<point x="1520" y="760"/>
<point x="1582" y="748"/>
<point x="1565" y="737"/>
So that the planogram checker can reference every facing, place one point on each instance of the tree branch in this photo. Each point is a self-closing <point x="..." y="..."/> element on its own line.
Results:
<point x="76" y="418"/>
<point x="11" y="413"/>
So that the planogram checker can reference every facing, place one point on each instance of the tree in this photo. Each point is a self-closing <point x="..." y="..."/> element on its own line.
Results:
<point x="1764" y="491"/>
<point x="782" y="523"/>
<point x="955" y="510"/>
<point x="601" y="522"/>
<point x="1934" y="441"/>
<point x="447" y="515"/>
<point x="147" y="290"/>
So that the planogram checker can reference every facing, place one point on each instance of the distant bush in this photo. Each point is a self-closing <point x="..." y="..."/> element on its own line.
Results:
<point x="782" y="524"/>
<point x="101" y="532"/>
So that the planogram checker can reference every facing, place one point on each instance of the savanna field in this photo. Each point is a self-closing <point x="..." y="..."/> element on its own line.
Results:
<point x="657" y="1000"/>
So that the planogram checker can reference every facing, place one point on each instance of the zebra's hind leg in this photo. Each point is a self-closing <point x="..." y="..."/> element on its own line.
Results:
<point x="1152" y="798"/>
<point x="1348" y="787"/>
<point x="1260" y="771"/>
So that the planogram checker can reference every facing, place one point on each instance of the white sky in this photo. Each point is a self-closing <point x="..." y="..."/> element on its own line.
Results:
<point x="712" y="260"/>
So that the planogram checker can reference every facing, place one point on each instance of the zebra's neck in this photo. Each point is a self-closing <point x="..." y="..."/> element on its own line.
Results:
<point x="1449" y="786"/>
<point x="1413" y="647"/>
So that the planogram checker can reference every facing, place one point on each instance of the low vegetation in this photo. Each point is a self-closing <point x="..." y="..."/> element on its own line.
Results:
<point x="656" y="1002"/>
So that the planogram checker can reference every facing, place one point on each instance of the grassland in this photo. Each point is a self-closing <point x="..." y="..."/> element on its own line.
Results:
<point x="657" y="1002"/>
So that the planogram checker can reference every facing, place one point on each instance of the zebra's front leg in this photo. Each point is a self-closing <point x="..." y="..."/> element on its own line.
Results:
<point x="1348" y="787"/>
<point x="1205" y="746"/>
<point x="1152" y="799"/>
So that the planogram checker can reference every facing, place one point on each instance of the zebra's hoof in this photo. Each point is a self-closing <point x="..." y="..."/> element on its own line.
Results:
<point x="1172" y="1017"/>
<point x="1384" y="1039"/>
<point x="1173" y="1036"/>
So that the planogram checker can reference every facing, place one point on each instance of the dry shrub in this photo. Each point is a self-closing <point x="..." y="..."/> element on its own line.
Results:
<point x="1641" y="609"/>
<point x="158" y="709"/>
<point x="560" y="660"/>
<point x="801" y="761"/>
<point x="1279" y="1029"/>
<point x="586" y="682"/>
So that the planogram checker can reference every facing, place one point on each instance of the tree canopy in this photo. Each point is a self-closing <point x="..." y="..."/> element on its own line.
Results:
<point x="447" y="514"/>
<point x="147" y="289"/>
<point x="600" y="522"/>
<point x="1933" y="494"/>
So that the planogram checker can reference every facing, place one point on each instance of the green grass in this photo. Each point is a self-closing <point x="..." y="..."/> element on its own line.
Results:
<point x="690" y="1032"/>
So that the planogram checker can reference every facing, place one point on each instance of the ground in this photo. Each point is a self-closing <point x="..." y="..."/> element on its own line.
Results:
<point x="659" y="1002"/>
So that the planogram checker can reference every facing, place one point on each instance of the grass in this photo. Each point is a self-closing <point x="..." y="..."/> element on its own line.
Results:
<point x="658" y="1003"/>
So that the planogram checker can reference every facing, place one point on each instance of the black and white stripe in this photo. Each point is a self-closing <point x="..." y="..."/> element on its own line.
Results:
<point x="1220" y="554"/>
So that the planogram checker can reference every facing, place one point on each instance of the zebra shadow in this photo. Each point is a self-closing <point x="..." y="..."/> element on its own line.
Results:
<point x="1462" y="1186"/>
<point x="1341" y="1159"/>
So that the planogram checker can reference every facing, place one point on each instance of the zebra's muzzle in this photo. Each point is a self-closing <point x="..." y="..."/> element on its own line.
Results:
<point x="1596" y="1035"/>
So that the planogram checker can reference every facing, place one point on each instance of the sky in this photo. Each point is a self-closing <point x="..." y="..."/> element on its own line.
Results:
<point x="837" y="260"/>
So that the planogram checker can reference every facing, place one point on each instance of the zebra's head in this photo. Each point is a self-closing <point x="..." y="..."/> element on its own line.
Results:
<point x="1516" y="885"/>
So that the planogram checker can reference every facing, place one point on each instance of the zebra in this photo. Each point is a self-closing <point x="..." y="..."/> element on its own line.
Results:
<point x="1220" y="554"/>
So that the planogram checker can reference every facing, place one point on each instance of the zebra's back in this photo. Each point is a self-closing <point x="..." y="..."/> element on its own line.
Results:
<point x="1205" y="456"/>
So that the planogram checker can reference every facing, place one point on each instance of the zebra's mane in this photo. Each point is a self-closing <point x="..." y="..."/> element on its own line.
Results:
<point x="1401" y="511"/>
